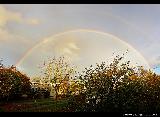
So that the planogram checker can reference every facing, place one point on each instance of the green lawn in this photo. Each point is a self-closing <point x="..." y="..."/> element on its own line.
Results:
<point x="39" y="105"/>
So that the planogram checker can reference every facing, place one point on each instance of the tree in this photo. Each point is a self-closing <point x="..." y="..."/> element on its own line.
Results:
<point x="100" y="82"/>
<point x="119" y="88"/>
<point x="13" y="83"/>
<point x="58" y="73"/>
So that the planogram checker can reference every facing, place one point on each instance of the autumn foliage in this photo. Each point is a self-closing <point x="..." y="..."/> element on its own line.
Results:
<point x="120" y="88"/>
<point x="117" y="87"/>
<point x="58" y="73"/>
<point x="13" y="84"/>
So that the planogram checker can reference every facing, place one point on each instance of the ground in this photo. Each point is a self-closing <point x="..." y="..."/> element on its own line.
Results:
<point x="39" y="105"/>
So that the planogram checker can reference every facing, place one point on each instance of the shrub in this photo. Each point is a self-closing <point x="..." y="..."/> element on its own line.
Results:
<point x="39" y="92"/>
<point x="120" y="88"/>
<point x="13" y="84"/>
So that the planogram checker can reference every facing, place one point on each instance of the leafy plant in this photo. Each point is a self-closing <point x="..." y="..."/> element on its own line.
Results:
<point x="57" y="73"/>
<point x="13" y="83"/>
<point x="120" y="88"/>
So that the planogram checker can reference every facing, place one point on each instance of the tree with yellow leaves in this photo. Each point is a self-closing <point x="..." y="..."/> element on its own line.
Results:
<point x="57" y="73"/>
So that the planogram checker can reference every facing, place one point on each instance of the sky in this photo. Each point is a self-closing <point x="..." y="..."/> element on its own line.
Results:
<point x="24" y="25"/>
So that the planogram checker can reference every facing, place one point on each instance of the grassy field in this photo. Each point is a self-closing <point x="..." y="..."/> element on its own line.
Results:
<point x="39" y="105"/>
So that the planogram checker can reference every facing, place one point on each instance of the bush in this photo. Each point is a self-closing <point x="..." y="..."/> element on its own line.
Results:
<point x="120" y="88"/>
<point x="76" y="102"/>
<point x="38" y="93"/>
<point x="13" y="84"/>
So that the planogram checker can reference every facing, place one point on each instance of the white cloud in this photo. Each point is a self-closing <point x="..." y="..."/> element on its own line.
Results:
<point x="154" y="62"/>
<point x="73" y="46"/>
<point x="4" y="35"/>
<point x="67" y="51"/>
<point x="67" y="47"/>
<point x="33" y="21"/>
<point x="63" y="45"/>
<point x="7" y="16"/>
<point x="13" y="44"/>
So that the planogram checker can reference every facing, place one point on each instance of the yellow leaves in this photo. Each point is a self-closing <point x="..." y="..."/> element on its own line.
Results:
<point x="133" y="77"/>
<point x="76" y="87"/>
<point x="58" y="71"/>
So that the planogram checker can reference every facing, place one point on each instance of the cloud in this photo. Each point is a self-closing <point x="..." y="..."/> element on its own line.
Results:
<point x="67" y="47"/>
<point x="6" y="16"/>
<point x="157" y="61"/>
<point x="73" y="46"/>
<point x="12" y="47"/>
<point x="12" y="44"/>
<point x="33" y="21"/>
<point x="67" y="51"/>
<point x="61" y="45"/>
<point x="154" y="61"/>
<point x="4" y="35"/>
<point x="70" y="48"/>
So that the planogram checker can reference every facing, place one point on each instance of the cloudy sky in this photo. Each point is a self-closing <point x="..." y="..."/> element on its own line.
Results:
<point x="23" y="26"/>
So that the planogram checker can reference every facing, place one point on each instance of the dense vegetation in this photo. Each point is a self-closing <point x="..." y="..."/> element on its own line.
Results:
<point x="120" y="88"/>
<point x="117" y="87"/>
<point x="13" y="84"/>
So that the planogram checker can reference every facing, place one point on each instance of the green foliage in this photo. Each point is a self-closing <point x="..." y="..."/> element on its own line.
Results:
<point x="39" y="89"/>
<point x="39" y="93"/>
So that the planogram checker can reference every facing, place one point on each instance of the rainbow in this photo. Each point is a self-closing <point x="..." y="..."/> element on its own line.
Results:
<point x="20" y="61"/>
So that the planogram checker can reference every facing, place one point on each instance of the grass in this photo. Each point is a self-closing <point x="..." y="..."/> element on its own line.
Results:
<point x="39" y="105"/>
<point x="47" y="106"/>
<point x="1" y="110"/>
